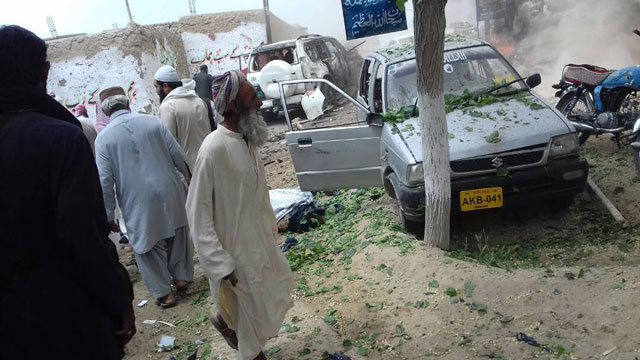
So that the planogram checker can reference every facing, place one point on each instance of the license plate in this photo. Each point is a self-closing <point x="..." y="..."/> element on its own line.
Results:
<point x="480" y="199"/>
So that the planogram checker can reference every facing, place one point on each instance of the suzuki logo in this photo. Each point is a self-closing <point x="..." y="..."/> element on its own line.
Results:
<point x="497" y="162"/>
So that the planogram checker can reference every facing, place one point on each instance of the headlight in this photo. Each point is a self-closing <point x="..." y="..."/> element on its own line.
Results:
<point x="415" y="174"/>
<point x="564" y="145"/>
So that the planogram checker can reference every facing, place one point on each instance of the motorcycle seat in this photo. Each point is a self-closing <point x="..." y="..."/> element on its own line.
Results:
<point x="585" y="74"/>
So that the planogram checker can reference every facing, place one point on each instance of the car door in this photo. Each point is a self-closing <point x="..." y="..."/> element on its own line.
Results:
<point x="332" y="157"/>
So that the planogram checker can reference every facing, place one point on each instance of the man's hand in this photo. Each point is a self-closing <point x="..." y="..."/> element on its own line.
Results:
<point x="124" y="335"/>
<point x="232" y="279"/>
<point x="114" y="227"/>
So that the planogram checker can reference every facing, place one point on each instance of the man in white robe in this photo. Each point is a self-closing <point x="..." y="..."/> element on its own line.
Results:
<point x="233" y="225"/>
<point x="182" y="111"/>
<point x="138" y="155"/>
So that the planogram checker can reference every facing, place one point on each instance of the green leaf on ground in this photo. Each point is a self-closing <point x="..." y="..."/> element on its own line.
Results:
<point x="305" y="351"/>
<point x="434" y="284"/>
<point x="201" y="299"/>
<point x="202" y="318"/>
<point x="480" y="308"/>
<point x="347" y="344"/>
<point x="374" y="307"/>
<point x="421" y="304"/>
<point x="206" y="351"/>
<point x="290" y="329"/>
<point x="468" y="288"/>
<point x="451" y="292"/>
<point x="330" y="320"/>
<point x="363" y="351"/>
<point x="273" y="350"/>
<point x="295" y="320"/>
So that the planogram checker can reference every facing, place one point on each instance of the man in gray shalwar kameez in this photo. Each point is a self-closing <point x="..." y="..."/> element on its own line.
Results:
<point x="138" y="155"/>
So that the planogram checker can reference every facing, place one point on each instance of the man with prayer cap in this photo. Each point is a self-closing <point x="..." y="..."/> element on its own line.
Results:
<point x="137" y="155"/>
<point x="249" y="277"/>
<point x="87" y="126"/>
<point x="63" y="293"/>
<point x="182" y="111"/>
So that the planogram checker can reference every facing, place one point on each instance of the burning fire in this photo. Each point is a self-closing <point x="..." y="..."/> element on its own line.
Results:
<point x="505" y="46"/>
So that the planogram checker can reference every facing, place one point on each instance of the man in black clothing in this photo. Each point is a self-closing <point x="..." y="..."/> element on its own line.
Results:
<point x="63" y="293"/>
<point x="203" y="83"/>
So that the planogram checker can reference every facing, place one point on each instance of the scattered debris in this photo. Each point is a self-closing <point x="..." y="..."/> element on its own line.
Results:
<point x="610" y="351"/>
<point x="149" y="322"/>
<point x="288" y="244"/>
<point x="166" y="323"/>
<point x="201" y="341"/>
<point x="166" y="343"/>
<point x="142" y="303"/>
<point x="527" y="339"/>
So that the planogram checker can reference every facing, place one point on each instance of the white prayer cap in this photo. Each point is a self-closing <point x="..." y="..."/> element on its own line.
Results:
<point x="167" y="74"/>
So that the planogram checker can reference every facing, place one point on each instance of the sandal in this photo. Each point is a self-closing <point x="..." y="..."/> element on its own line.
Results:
<point x="228" y="334"/>
<point x="165" y="305"/>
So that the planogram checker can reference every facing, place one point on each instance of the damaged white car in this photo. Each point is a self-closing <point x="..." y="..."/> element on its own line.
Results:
<point x="308" y="57"/>
<point x="507" y="146"/>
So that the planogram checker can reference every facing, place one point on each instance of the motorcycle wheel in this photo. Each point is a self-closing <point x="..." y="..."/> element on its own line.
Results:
<point x="581" y="107"/>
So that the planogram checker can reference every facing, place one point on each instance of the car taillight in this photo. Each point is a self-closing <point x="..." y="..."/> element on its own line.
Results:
<point x="244" y="71"/>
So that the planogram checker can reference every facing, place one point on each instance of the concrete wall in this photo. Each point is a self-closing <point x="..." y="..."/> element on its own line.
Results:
<point x="82" y="66"/>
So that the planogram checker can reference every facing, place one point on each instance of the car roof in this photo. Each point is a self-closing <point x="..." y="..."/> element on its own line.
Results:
<point x="405" y="51"/>
<point x="274" y="46"/>
<point x="286" y="43"/>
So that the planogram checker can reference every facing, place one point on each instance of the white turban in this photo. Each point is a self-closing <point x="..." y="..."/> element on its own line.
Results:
<point x="167" y="74"/>
<point x="225" y="89"/>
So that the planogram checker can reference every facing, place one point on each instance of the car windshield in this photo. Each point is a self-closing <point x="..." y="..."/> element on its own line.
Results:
<point x="477" y="69"/>
<point x="260" y="59"/>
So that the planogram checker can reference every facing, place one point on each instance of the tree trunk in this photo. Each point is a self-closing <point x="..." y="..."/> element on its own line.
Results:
<point x="429" y="24"/>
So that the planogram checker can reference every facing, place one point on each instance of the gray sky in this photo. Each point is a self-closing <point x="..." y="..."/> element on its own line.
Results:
<point x="92" y="16"/>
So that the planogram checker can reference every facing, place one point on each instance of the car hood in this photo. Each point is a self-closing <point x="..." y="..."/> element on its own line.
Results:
<point x="522" y="121"/>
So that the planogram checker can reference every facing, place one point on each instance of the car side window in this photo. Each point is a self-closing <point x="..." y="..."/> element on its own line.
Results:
<point x="377" y="91"/>
<point x="323" y="51"/>
<point x="332" y="48"/>
<point x="365" y="78"/>
<point x="310" y="49"/>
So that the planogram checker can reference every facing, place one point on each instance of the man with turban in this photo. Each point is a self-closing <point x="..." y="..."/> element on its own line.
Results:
<point x="182" y="111"/>
<point x="138" y="156"/>
<point x="233" y="225"/>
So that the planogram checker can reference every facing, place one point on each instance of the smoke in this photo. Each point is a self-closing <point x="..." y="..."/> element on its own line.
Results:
<point x="579" y="32"/>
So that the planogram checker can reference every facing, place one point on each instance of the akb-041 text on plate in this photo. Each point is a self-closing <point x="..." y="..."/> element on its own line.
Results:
<point x="480" y="199"/>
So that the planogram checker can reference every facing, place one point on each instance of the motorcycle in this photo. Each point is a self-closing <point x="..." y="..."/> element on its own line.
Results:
<point x="600" y="101"/>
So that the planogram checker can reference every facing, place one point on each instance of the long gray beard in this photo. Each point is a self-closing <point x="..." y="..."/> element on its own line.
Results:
<point x="253" y="128"/>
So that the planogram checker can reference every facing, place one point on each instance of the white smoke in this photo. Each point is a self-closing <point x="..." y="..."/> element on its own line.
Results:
<point x="579" y="31"/>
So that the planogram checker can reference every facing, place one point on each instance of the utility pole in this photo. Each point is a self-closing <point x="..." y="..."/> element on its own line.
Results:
<point x="52" y="27"/>
<point x="192" y="7"/>
<point x="267" y="19"/>
<point x="129" y="12"/>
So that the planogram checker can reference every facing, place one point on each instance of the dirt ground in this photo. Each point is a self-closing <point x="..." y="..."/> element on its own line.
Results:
<point x="569" y="280"/>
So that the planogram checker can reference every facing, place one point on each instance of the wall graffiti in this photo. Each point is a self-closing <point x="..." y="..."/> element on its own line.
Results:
<point x="91" y="99"/>
<point x="169" y="58"/>
<point x="220" y="55"/>
<point x="222" y="51"/>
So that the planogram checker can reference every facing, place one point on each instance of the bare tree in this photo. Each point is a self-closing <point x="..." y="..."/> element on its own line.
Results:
<point x="429" y="24"/>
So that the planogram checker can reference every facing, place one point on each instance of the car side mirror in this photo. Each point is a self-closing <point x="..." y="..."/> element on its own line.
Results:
<point x="534" y="80"/>
<point x="374" y="119"/>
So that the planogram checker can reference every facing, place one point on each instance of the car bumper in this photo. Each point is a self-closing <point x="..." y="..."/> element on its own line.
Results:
<point x="276" y="105"/>
<point x="563" y="177"/>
